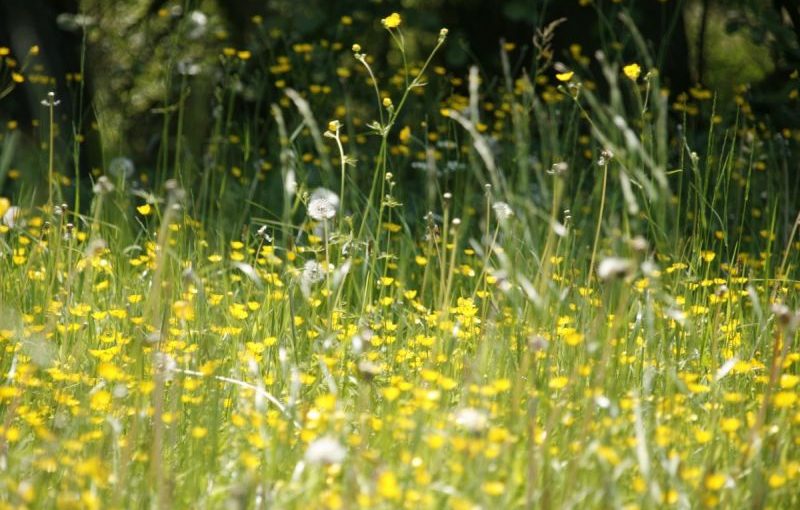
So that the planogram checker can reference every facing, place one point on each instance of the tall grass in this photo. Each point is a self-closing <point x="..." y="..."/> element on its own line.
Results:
<point x="552" y="291"/>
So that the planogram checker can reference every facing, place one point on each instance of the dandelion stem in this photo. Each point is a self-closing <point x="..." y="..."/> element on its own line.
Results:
<point x="51" y="151"/>
<point x="599" y="224"/>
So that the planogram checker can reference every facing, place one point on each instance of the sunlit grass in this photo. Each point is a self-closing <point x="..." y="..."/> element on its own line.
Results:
<point x="524" y="296"/>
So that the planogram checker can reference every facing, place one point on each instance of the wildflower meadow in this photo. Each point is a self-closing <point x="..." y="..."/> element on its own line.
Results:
<point x="354" y="272"/>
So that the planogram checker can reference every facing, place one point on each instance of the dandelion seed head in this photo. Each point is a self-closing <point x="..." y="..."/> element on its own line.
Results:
<point x="605" y="157"/>
<point x="290" y="183"/>
<point x="787" y="319"/>
<point x="198" y="25"/>
<point x="558" y="228"/>
<point x="165" y="365"/>
<point x="368" y="370"/>
<point x="502" y="211"/>
<point x="323" y="204"/>
<point x="11" y="216"/>
<point x="188" y="68"/>
<point x="103" y="186"/>
<point x="325" y="450"/>
<point x="614" y="267"/>
<point x="559" y="168"/>
<point x="51" y="100"/>
<point x="639" y="244"/>
<point x="313" y="272"/>
<point x="650" y="268"/>
<point x="471" y="419"/>
<point x="121" y="168"/>
<point x="264" y="234"/>
<point x="73" y="22"/>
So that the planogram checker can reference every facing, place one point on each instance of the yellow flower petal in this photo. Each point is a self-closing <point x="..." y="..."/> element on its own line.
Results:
<point x="565" y="76"/>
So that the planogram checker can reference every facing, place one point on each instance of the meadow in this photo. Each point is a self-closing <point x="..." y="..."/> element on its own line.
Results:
<point x="543" y="289"/>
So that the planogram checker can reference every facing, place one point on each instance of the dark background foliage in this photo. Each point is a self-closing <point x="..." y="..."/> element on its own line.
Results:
<point x="129" y="52"/>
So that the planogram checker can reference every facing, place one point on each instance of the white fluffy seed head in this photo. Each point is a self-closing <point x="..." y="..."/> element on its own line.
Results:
<point x="323" y="204"/>
<point x="471" y="419"/>
<point x="313" y="272"/>
<point x="11" y="216"/>
<point x="325" y="450"/>
<point x="121" y="168"/>
<point x="502" y="211"/>
<point x="614" y="267"/>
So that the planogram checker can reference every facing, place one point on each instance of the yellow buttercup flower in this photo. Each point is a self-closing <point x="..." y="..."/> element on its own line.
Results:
<point x="632" y="71"/>
<point x="392" y="21"/>
<point x="565" y="76"/>
<point x="715" y="481"/>
<point x="405" y="134"/>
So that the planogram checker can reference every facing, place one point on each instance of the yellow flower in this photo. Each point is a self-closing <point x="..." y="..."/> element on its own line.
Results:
<point x="715" y="482"/>
<point x="702" y="436"/>
<point x="784" y="399"/>
<point x="388" y="487"/>
<point x="565" y="76"/>
<point x="573" y="338"/>
<point x="776" y="480"/>
<point x="12" y="434"/>
<point x="494" y="488"/>
<point x="199" y="432"/>
<point x="392" y="21"/>
<point x="730" y="424"/>
<point x="391" y="393"/>
<point x="788" y="381"/>
<point x="608" y="455"/>
<point x="183" y="310"/>
<point x="145" y="209"/>
<point x="632" y="71"/>
<point x="100" y="401"/>
<point x="238" y="311"/>
<point x="405" y="134"/>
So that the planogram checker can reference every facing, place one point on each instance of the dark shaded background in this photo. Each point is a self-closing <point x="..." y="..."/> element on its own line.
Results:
<point x="677" y="34"/>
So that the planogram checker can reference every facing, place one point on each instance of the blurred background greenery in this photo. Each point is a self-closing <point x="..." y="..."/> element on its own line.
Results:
<point x="121" y="68"/>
